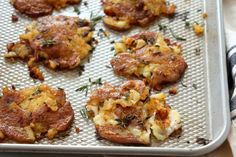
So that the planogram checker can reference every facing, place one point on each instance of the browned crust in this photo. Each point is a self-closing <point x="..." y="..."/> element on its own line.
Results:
<point x="38" y="8"/>
<point x="32" y="8"/>
<point x="110" y="133"/>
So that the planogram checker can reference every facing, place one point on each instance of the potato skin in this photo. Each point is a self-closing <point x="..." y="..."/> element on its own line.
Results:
<point x="32" y="8"/>
<point x="110" y="133"/>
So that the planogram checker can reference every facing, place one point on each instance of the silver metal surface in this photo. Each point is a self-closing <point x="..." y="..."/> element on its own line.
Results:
<point x="204" y="110"/>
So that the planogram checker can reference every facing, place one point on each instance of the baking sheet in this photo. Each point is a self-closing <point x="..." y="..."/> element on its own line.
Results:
<point x="194" y="101"/>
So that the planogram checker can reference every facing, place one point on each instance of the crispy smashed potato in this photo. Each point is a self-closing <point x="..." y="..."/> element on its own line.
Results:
<point x="30" y="113"/>
<point x="37" y="8"/>
<point x="122" y="14"/>
<point x="128" y="114"/>
<point x="60" y="42"/>
<point x="150" y="57"/>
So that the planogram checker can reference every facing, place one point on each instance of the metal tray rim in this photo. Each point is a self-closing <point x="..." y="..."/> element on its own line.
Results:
<point x="148" y="150"/>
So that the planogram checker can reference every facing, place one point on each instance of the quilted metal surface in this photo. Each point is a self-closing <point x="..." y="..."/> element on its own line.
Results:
<point x="190" y="100"/>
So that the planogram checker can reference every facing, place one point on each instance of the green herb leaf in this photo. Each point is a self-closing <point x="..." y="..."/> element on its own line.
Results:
<point x="125" y="121"/>
<point x="187" y="24"/>
<point x="83" y="113"/>
<point x="162" y="27"/>
<point x="176" y="36"/>
<point x="47" y="43"/>
<point x="127" y="96"/>
<point x="197" y="51"/>
<point x="76" y="9"/>
<point x="81" y="69"/>
<point x="96" y="18"/>
<point x="91" y="83"/>
<point x="82" y="88"/>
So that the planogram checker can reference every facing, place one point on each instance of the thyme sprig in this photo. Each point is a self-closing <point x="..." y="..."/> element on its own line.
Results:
<point x="125" y="121"/>
<point x="86" y="87"/>
<point x="176" y="36"/>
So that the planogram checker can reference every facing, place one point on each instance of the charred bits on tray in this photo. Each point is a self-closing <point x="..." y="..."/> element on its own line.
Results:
<point x="173" y="91"/>
<point x="202" y="141"/>
<point x="14" y="18"/>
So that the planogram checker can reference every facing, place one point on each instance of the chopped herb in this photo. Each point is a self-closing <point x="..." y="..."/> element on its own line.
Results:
<point x="76" y="9"/>
<point x="195" y="86"/>
<point x="102" y="33"/>
<point x="86" y="3"/>
<point x="96" y="82"/>
<point x="47" y="43"/>
<point x="182" y="16"/>
<point x="176" y="36"/>
<point x="112" y="49"/>
<point x="197" y="51"/>
<point x="127" y="96"/>
<point x="146" y="100"/>
<point x="107" y="66"/>
<point x="38" y="91"/>
<point x="162" y="27"/>
<point x="199" y="10"/>
<point x="187" y="24"/>
<point x="83" y="88"/>
<point x="83" y="113"/>
<point x="183" y="84"/>
<point x="34" y="81"/>
<point x="125" y="121"/>
<point x="96" y="19"/>
<point x="91" y="83"/>
<point x="81" y="69"/>
<point x="112" y="42"/>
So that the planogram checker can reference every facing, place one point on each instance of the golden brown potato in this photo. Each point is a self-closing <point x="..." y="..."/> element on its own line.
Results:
<point x="30" y="113"/>
<point x="37" y="8"/>
<point x="122" y="14"/>
<point x="127" y="114"/>
<point x="151" y="57"/>
<point x="60" y="42"/>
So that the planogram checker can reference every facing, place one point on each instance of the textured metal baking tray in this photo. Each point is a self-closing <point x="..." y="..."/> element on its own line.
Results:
<point x="202" y="97"/>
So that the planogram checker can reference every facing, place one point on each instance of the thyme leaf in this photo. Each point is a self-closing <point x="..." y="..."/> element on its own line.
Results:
<point x="83" y="113"/>
<point x="176" y="36"/>
<point x="47" y="43"/>
<point x="76" y="10"/>
<point x="88" y="86"/>
<point x="125" y="121"/>
<point x="162" y="27"/>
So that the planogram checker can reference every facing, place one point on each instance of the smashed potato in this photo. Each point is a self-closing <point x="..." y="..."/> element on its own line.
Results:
<point x="122" y="14"/>
<point x="37" y="8"/>
<point x="129" y="115"/>
<point x="30" y="113"/>
<point x="150" y="57"/>
<point x="61" y="42"/>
